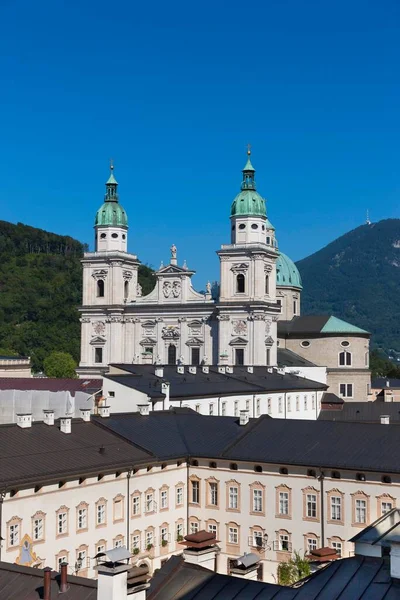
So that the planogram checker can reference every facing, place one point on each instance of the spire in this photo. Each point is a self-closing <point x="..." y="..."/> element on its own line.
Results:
<point x="248" y="182"/>
<point x="111" y="186"/>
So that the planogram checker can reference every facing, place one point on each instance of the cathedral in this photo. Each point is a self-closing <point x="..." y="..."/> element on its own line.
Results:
<point x="175" y="324"/>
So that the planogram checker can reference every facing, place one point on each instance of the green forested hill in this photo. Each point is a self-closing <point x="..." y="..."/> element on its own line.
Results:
<point x="40" y="290"/>
<point x="357" y="278"/>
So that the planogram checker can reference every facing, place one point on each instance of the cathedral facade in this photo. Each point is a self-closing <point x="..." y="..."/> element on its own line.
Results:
<point x="175" y="324"/>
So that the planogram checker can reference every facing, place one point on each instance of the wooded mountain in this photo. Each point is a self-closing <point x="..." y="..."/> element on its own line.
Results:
<point x="40" y="290"/>
<point x="357" y="278"/>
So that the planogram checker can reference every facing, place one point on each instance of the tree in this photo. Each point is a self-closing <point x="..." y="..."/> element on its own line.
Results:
<point x="296" y="568"/>
<point x="60" y="364"/>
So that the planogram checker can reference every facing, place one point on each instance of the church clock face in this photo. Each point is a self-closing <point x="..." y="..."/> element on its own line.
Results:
<point x="240" y="327"/>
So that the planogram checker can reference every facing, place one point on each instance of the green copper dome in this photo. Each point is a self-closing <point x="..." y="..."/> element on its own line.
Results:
<point x="111" y="212"/>
<point x="287" y="274"/>
<point x="248" y="202"/>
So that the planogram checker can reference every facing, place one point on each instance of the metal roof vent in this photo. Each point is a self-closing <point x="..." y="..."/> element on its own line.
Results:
<point x="205" y="369"/>
<point x="244" y="417"/>
<point x="144" y="409"/>
<point x="104" y="411"/>
<point x="387" y="383"/>
<point x="250" y="369"/>
<point x="180" y="369"/>
<point x="24" y="421"/>
<point x="48" y="417"/>
<point x="85" y="414"/>
<point x="192" y="370"/>
<point x="385" y="419"/>
<point x="65" y="424"/>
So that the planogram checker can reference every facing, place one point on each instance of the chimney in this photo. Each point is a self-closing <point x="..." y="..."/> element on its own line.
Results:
<point x="244" y="417"/>
<point x="205" y="369"/>
<point x="385" y="419"/>
<point x="63" y="578"/>
<point x="104" y="411"/>
<point x="180" y="369"/>
<point x="245" y="566"/>
<point x="85" y="414"/>
<point x="24" y="420"/>
<point x="201" y="549"/>
<point x="65" y="424"/>
<point x="193" y="370"/>
<point x="120" y="581"/>
<point x="221" y="369"/>
<point x="250" y="369"/>
<point x="46" y="583"/>
<point x="229" y="369"/>
<point x="144" y="409"/>
<point x="48" y="417"/>
<point x="159" y="371"/>
<point x="395" y="560"/>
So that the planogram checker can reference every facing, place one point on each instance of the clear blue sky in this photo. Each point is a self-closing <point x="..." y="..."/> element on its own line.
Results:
<point x="173" y="92"/>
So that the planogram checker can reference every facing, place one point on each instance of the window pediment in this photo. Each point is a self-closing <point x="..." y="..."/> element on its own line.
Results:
<point x="238" y="341"/>
<point x="98" y="340"/>
<point x="147" y="341"/>
<point x="194" y="342"/>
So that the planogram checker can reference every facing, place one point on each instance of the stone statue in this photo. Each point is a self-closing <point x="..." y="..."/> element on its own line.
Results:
<point x="173" y="251"/>
<point x="158" y="360"/>
<point x="208" y="287"/>
<point x="138" y="289"/>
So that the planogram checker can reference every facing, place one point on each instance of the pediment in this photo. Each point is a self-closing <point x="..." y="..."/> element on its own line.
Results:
<point x="172" y="270"/>
<point x="269" y="341"/>
<point x="194" y="342"/>
<point x="98" y="339"/>
<point x="147" y="341"/>
<point x="238" y="341"/>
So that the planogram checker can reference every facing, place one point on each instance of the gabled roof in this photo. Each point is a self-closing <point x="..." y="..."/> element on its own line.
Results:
<point x="288" y="358"/>
<point x="317" y="324"/>
<point x="174" y="270"/>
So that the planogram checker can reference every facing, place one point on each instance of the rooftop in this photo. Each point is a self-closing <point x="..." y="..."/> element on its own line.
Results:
<point x="369" y="412"/>
<point x="288" y="358"/>
<point x="51" y="384"/>
<point x="317" y="324"/>
<point x="385" y="382"/>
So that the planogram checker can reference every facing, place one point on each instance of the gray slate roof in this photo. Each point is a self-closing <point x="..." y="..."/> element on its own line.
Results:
<point x="288" y="358"/>
<point x="380" y="383"/>
<point x="369" y="412"/>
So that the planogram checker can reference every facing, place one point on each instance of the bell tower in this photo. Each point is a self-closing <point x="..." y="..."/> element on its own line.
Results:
<point x="111" y="224"/>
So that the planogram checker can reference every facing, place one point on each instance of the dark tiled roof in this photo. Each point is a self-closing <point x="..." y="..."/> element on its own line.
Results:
<point x="43" y="453"/>
<point x="187" y="385"/>
<point x="287" y="358"/>
<point x="307" y="325"/>
<point x="26" y="583"/>
<point x="369" y="412"/>
<point x="330" y="398"/>
<point x="381" y="383"/>
<point x="51" y="384"/>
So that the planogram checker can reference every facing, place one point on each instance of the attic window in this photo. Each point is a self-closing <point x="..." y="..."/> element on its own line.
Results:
<point x="213" y="465"/>
<point x="305" y="344"/>
<point x="123" y="236"/>
<point x="386" y="479"/>
<point x="335" y="475"/>
<point x="242" y="226"/>
<point x="103" y="236"/>
<point x="360" y="477"/>
<point x="258" y="468"/>
<point x="233" y="466"/>
<point x="254" y="226"/>
<point x="195" y="463"/>
<point x="283" y="471"/>
<point x="311" y="473"/>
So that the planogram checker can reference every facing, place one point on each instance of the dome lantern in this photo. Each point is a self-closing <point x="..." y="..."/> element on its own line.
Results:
<point x="111" y="222"/>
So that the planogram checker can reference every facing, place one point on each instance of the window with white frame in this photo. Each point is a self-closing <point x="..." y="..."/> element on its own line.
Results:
<point x="233" y="537"/>
<point x="311" y="503"/>
<point x="289" y="404"/>
<point x="213" y="491"/>
<point x="149" y="538"/>
<point x="280" y="407"/>
<point x="136" y="505"/>
<point x="135" y="541"/>
<point x="345" y="359"/>
<point x="305" y="403"/>
<point x="82" y="518"/>
<point x="269" y="406"/>
<point x="223" y="409"/>
<point x="338" y="547"/>
<point x="257" y="501"/>
<point x="236" y="408"/>
<point x="297" y="403"/>
<point x="311" y="544"/>
<point x="346" y="390"/>
<point x="258" y="407"/>
<point x="386" y="507"/>
<point x="164" y="534"/>
<point x="82" y="555"/>
<point x="101" y="514"/>
<point x="257" y="539"/>
<point x="118" y="543"/>
<point x="62" y="523"/>
<point x="283" y="503"/>
<point x="60" y="561"/>
<point x="211" y="409"/>
<point x="195" y="492"/>
<point x="194" y="527"/>
<point x="179" y="495"/>
<point x="212" y="528"/>
<point x="149" y="502"/>
<point x="179" y="531"/>
<point x="336" y="508"/>
<point x="38" y="529"/>
<point x="361" y="511"/>
<point x="100" y="548"/>
<point x="13" y="534"/>
<point x="233" y="497"/>
<point x="164" y="499"/>
<point x="284" y="542"/>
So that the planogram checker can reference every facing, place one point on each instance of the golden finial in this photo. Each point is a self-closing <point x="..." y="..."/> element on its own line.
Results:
<point x="248" y="149"/>
<point x="111" y="164"/>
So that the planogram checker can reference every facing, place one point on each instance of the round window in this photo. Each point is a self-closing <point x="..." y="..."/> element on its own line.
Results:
<point x="103" y="236"/>
<point x="242" y="226"/>
<point x="254" y="226"/>
<point x="305" y="344"/>
<point x="345" y="344"/>
<point x="114" y="235"/>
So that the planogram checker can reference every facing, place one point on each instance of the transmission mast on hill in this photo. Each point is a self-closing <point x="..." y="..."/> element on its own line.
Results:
<point x="368" y="222"/>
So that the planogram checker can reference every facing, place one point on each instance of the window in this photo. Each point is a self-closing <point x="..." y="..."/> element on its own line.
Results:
<point x="114" y="235"/>
<point x="233" y="498"/>
<point x="266" y="284"/>
<point x="164" y="499"/>
<point x="254" y="226"/>
<point x="13" y="535"/>
<point x="311" y="506"/>
<point x="295" y="307"/>
<point x="194" y="527"/>
<point x="283" y="503"/>
<point x="164" y="534"/>
<point x="248" y="405"/>
<point x="269" y="406"/>
<point x="305" y="344"/>
<point x="118" y="508"/>
<point x="240" y="284"/>
<point x="305" y="403"/>
<point x="223" y="409"/>
<point x="62" y="523"/>
<point x="212" y="528"/>
<point x="171" y="354"/>
<point x="361" y="511"/>
<point x="136" y="505"/>
<point x="257" y="501"/>
<point x="239" y="356"/>
<point x="257" y="539"/>
<point x="258" y="407"/>
<point x="149" y="539"/>
<point x="242" y="226"/>
<point x="38" y="529"/>
<point x="126" y="290"/>
<point x="100" y="288"/>
<point x="213" y="491"/>
<point x="311" y="544"/>
<point x="118" y="543"/>
<point x="289" y="404"/>
<point x="338" y="547"/>
<point x="386" y="507"/>
<point x="81" y="559"/>
<point x="98" y="355"/>
<point x="179" y="531"/>
<point x="297" y="403"/>
<point x="135" y="541"/>
<point x="346" y="390"/>
<point x="111" y="394"/>
<point x="211" y="409"/>
<point x="101" y="514"/>
<point x="60" y="560"/>
<point x="195" y="492"/>
<point x="345" y="359"/>
<point x="336" y="508"/>
<point x="268" y="357"/>
<point x="82" y="518"/>
<point x="236" y="408"/>
<point x="179" y="495"/>
<point x="345" y="344"/>
<point x="233" y="537"/>
<point x="149" y="507"/>
<point x="103" y="236"/>
<point x="195" y="356"/>
<point x="284" y="542"/>
<point x="280" y="405"/>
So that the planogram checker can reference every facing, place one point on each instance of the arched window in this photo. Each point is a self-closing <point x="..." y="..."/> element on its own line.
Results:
<point x="345" y="359"/>
<point x="240" y="284"/>
<point x="267" y="284"/>
<point x="100" y="288"/>
<point x="171" y="354"/>
<point x="126" y="289"/>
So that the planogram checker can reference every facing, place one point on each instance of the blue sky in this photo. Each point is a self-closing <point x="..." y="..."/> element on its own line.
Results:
<point x="173" y="92"/>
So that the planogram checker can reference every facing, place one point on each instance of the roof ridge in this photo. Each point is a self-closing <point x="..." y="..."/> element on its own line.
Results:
<point x="247" y="429"/>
